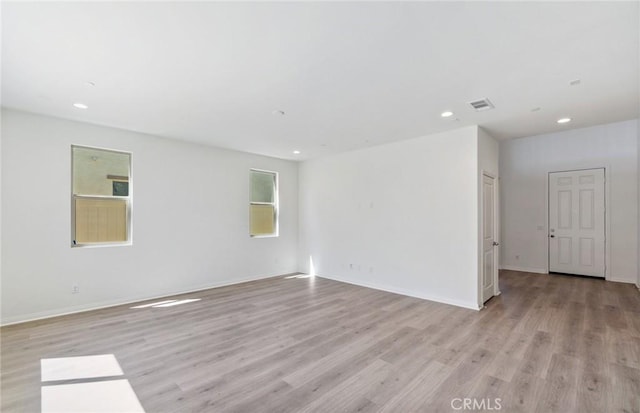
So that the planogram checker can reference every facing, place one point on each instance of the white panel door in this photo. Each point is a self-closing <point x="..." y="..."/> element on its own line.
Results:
<point x="489" y="244"/>
<point x="576" y="222"/>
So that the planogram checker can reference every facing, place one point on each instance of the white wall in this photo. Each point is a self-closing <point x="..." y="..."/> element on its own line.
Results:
<point x="401" y="217"/>
<point x="524" y="164"/>
<point x="1" y="216"/>
<point x="488" y="153"/>
<point x="190" y="220"/>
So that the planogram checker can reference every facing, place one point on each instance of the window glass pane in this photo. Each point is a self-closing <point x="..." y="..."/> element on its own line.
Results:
<point x="262" y="219"/>
<point x="96" y="171"/>
<point x="262" y="187"/>
<point x="101" y="220"/>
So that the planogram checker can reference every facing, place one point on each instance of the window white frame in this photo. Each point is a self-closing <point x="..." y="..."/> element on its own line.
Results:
<point x="128" y="199"/>
<point x="275" y="203"/>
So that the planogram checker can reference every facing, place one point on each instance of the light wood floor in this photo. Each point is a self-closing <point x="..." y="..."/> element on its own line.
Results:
<point x="547" y="344"/>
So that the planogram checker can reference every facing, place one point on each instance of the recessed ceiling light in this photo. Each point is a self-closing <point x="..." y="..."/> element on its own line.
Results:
<point x="564" y="120"/>
<point x="296" y="152"/>
<point x="575" y="82"/>
<point x="92" y="84"/>
<point x="535" y="109"/>
<point x="446" y="114"/>
<point x="278" y="112"/>
<point x="80" y="105"/>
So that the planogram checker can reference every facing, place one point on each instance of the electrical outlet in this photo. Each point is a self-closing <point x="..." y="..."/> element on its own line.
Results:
<point x="75" y="289"/>
<point x="517" y="257"/>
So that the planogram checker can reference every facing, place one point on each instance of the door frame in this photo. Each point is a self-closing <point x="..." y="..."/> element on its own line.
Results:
<point x="607" y="221"/>
<point x="496" y="231"/>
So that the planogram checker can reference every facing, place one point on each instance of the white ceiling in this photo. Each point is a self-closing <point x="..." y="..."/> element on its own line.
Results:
<point x="347" y="75"/>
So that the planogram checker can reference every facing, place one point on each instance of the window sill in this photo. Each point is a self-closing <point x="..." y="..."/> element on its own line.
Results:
<point x="103" y="245"/>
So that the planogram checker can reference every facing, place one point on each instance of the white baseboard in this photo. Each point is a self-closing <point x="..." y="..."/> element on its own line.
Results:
<point x="524" y="269"/>
<point x="621" y="280"/>
<point x="132" y="300"/>
<point x="410" y="293"/>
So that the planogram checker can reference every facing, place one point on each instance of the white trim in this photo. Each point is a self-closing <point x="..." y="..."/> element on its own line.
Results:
<point x="524" y="269"/>
<point x="115" y="303"/>
<point x="620" y="280"/>
<point x="409" y="293"/>
<point x="498" y="236"/>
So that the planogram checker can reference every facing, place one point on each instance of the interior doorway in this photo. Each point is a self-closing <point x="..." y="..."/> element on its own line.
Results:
<point x="489" y="237"/>
<point x="577" y="222"/>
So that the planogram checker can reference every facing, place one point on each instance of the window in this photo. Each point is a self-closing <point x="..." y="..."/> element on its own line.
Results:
<point x="263" y="207"/>
<point x="101" y="197"/>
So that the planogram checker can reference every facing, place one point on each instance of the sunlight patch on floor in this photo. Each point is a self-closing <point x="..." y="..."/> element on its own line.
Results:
<point x="168" y="303"/>
<point x="113" y="396"/>
<point x="84" y="367"/>
<point x="179" y="302"/>
<point x="154" y="304"/>
<point x="86" y="384"/>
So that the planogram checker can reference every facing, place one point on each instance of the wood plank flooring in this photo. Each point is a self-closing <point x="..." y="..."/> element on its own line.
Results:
<point x="549" y="343"/>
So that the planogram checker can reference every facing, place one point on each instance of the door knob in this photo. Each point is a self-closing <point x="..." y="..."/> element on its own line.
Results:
<point x="495" y="244"/>
<point x="552" y="236"/>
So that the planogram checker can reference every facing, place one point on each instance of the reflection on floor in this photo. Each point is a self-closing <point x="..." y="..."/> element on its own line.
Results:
<point x="86" y="384"/>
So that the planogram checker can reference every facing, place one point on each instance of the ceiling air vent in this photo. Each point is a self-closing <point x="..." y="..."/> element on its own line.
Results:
<point x="481" y="104"/>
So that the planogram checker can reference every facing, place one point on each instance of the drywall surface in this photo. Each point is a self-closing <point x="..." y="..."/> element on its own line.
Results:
<point x="190" y="220"/>
<point x="488" y="153"/>
<point x="401" y="217"/>
<point x="524" y="166"/>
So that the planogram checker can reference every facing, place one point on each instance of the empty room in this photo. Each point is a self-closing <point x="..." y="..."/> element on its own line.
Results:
<point x="404" y="207"/>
